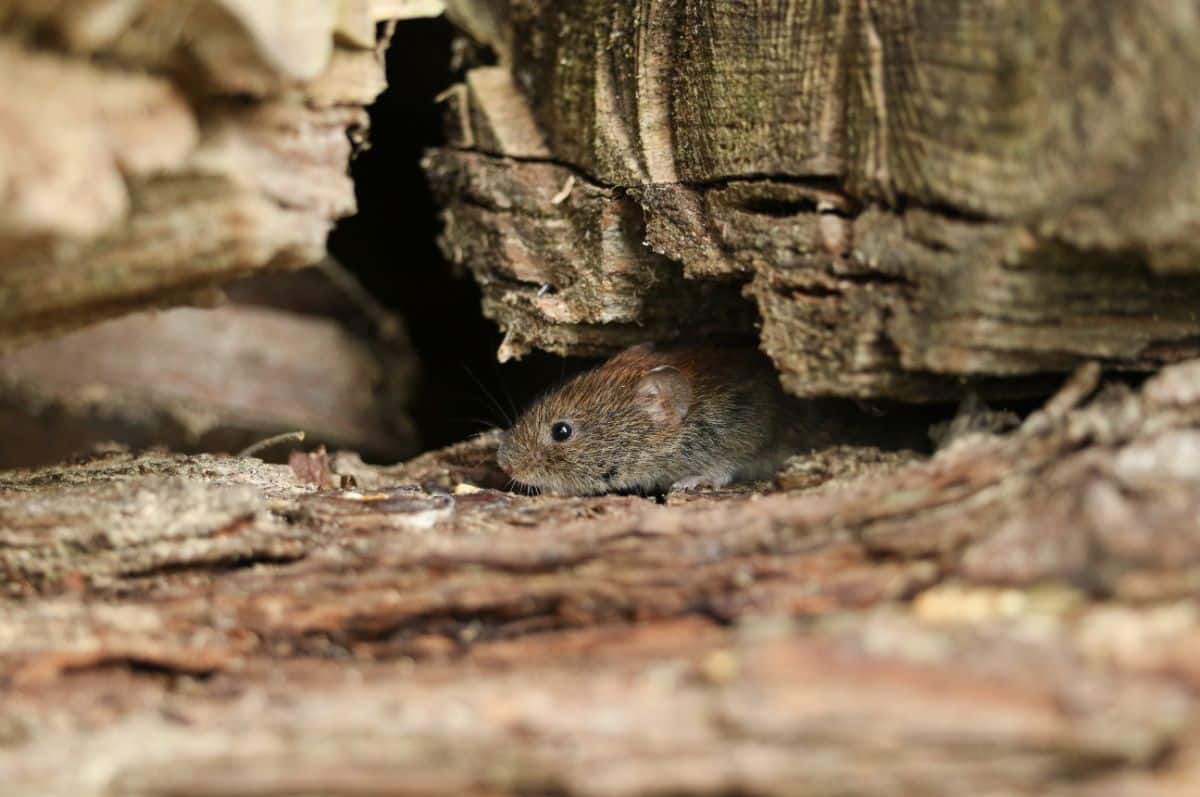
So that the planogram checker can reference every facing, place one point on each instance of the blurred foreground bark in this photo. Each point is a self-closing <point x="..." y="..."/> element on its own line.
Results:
<point x="1014" y="616"/>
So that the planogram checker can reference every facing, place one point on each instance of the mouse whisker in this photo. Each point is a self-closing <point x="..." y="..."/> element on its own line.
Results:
<point x="511" y="404"/>
<point x="508" y="421"/>
<point x="483" y="423"/>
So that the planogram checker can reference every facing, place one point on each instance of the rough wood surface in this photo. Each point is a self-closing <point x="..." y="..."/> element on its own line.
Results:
<point x="1016" y="615"/>
<point x="562" y="264"/>
<point x="562" y="261"/>
<point x="914" y="192"/>
<point x="149" y="149"/>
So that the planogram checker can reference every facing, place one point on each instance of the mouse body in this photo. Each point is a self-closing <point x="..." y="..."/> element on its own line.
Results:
<point x="652" y="419"/>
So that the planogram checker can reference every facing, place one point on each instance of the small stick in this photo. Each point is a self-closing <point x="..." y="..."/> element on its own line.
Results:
<point x="254" y="448"/>
<point x="564" y="192"/>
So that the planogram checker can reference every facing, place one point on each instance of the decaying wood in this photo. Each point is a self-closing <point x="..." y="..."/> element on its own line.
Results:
<point x="1013" y="616"/>
<point x="151" y="148"/>
<point x="913" y="193"/>
<point x="548" y="245"/>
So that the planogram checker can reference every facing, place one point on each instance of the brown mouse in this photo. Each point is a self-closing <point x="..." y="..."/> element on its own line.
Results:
<point x="651" y="419"/>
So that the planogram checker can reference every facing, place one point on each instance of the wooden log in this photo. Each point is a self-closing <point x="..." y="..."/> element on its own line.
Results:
<point x="151" y="149"/>
<point x="1015" y="615"/>
<point x="915" y="193"/>
<point x="204" y="380"/>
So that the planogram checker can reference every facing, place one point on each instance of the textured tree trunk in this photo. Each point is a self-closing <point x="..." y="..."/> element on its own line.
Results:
<point x="909" y="193"/>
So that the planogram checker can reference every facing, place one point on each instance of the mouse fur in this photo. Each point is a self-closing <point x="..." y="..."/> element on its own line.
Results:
<point x="652" y="419"/>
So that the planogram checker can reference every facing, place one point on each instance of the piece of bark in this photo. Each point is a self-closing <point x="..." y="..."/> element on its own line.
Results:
<point x="202" y="380"/>
<point x="65" y="162"/>
<point x="229" y="47"/>
<point x="910" y="207"/>
<point x="561" y="261"/>
<point x="1016" y="614"/>
<point x="149" y="149"/>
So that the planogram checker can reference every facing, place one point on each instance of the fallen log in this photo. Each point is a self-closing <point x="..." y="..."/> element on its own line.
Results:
<point x="205" y="380"/>
<point x="1014" y="614"/>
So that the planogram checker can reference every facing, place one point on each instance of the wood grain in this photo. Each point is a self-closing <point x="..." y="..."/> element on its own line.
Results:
<point x="203" y="380"/>
<point x="916" y="193"/>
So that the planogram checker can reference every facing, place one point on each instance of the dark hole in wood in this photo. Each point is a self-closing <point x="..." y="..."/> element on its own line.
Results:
<point x="441" y="309"/>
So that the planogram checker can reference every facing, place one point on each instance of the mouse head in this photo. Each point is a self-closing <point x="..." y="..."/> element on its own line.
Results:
<point x="604" y="430"/>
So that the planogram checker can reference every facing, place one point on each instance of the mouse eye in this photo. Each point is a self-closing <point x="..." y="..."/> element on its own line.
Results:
<point x="561" y="431"/>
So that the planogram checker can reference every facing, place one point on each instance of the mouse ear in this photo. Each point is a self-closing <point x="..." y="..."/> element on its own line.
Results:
<point x="665" y="394"/>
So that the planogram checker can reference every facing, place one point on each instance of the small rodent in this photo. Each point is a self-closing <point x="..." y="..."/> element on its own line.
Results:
<point x="651" y="419"/>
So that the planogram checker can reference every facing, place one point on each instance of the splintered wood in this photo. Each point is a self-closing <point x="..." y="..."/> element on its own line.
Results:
<point x="908" y="193"/>
<point x="1013" y="616"/>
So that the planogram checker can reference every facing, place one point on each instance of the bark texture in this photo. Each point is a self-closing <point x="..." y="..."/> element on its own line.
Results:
<point x="149" y="149"/>
<point x="910" y="193"/>
<point x="1014" y="616"/>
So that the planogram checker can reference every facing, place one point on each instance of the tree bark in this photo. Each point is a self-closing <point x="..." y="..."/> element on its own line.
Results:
<point x="1014" y="616"/>
<point x="911" y="193"/>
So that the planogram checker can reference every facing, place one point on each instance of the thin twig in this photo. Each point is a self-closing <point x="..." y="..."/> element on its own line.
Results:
<point x="271" y="441"/>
